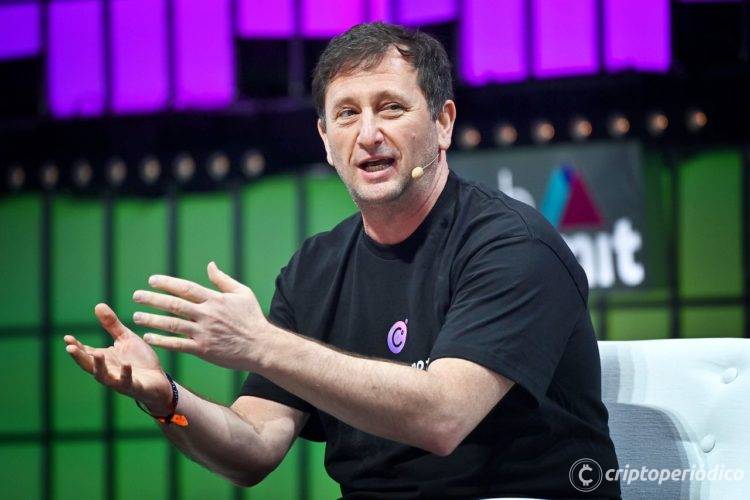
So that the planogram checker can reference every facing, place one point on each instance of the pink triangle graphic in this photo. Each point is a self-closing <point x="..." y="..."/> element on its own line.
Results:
<point x="580" y="209"/>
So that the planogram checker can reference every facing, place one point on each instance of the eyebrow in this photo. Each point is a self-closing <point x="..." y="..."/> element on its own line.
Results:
<point x="380" y="96"/>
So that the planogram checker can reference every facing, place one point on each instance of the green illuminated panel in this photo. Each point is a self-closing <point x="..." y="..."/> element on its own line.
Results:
<point x="284" y="481"/>
<point x="20" y="218"/>
<point x="595" y="321"/>
<point x="638" y="324"/>
<point x="322" y="487"/>
<point x="712" y="322"/>
<point x="658" y="205"/>
<point x="710" y="236"/>
<point x="21" y="388"/>
<point x="328" y="203"/>
<point x="204" y="234"/>
<point x="270" y="233"/>
<point x="77" y="398"/>
<point x="650" y="295"/>
<point x="78" y="470"/>
<point x="270" y="237"/>
<point x="141" y="469"/>
<point x="199" y="483"/>
<point x="206" y="380"/>
<point x="77" y="259"/>
<point x="140" y="250"/>
<point x="20" y="471"/>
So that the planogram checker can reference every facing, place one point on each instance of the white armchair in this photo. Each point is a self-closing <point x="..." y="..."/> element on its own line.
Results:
<point x="680" y="404"/>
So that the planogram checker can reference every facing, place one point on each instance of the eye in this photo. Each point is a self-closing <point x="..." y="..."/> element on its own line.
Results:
<point x="345" y="113"/>
<point x="393" y="106"/>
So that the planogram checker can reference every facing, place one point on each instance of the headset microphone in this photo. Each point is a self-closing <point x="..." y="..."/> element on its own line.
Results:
<point x="418" y="172"/>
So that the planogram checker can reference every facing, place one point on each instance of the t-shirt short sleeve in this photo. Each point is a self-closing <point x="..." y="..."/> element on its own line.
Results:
<point x="281" y="315"/>
<point x="514" y="308"/>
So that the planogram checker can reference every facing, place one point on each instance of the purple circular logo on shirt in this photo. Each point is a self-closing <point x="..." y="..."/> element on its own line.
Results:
<point x="397" y="336"/>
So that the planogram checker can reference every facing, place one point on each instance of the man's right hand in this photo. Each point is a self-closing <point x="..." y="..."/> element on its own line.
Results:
<point x="130" y="366"/>
<point x="243" y="443"/>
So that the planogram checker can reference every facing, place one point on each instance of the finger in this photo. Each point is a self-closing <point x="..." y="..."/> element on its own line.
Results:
<point x="222" y="280"/>
<point x="101" y="373"/>
<point x="166" y="323"/>
<point x="126" y="375"/>
<point x="174" y="305"/>
<point x="81" y="358"/>
<point x="71" y="340"/>
<point x="110" y="321"/>
<point x="171" y="343"/>
<point x="182" y="288"/>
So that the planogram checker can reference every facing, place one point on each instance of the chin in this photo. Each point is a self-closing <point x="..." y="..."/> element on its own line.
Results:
<point x="379" y="193"/>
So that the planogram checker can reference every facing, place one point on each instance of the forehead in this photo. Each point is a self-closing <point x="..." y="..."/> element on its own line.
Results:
<point x="394" y="74"/>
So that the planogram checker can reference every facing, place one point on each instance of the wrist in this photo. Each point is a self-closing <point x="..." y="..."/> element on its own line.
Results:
<point x="169" y="416"/>
<point x="162" y="400"/>
<point x="265" y="358"/>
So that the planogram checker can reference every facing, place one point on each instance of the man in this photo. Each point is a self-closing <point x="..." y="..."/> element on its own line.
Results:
<point x="438" y="340"/>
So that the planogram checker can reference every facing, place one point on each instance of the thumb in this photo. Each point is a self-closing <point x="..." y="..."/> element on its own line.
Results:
<point x="110" y="321"/>
<point x="222" y="280"/>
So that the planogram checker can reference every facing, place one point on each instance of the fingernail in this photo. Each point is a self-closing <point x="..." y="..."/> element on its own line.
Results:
<point x="137" y="317"/>
<point x="137" y="296"/>
<point x="152" y="280"/>
<point x="69" y="349"/>
<point x="147" y="338"/>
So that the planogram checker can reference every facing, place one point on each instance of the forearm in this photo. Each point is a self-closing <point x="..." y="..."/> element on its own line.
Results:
<point x="221" y="440"/>
<point x="390" y="400"/>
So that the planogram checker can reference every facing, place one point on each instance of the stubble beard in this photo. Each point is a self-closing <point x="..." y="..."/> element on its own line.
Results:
<point x="396" y="196"/>
<point x="379" y="195"/>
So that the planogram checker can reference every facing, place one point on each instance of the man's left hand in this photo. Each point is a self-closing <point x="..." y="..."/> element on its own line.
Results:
<point x="224" y="327"/>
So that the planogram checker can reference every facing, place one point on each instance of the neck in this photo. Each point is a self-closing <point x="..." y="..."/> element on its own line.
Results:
<point x="392" y="224"/>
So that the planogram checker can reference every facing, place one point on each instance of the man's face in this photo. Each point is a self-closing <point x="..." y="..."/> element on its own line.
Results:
<point x="378" y="128"/>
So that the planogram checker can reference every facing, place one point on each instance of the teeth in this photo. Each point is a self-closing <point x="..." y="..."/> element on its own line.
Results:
<point x="377" y="165"/>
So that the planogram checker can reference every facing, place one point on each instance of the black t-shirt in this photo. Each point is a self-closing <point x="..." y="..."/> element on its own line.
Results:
<point x="483" y="278"/>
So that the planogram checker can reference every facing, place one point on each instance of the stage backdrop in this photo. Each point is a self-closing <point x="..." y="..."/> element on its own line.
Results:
<point x="61" y="433"/>
<point x="592" y="194"/>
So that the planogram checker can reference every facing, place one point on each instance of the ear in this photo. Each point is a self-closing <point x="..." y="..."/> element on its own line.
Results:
<point x="445" y="121"/>
<point x="324" y="136"/>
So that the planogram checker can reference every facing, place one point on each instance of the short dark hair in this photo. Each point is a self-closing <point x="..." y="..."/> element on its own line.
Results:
<point x="363" y="47"/>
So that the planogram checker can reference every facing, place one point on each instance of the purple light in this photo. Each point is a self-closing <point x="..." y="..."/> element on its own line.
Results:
<point x="493" y="45"/>
<point x="75" y="62"/>
<point x="416" y="12"/>
<point x="19" y="30"/>
<point x="637" y="35"/>
<point x="140" y="82"/>
<point x="565" y="37"/>
<point x="264" y="19"/>
<point x="327" y="18"/>
<point x="380" y="10"/>
<point x="204" y="55"/>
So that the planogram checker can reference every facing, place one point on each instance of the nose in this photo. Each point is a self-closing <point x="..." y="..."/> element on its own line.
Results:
<point x="370" y="136"/>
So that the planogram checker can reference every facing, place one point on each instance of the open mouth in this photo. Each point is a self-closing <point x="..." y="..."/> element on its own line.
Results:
<point x="376" y="165"/>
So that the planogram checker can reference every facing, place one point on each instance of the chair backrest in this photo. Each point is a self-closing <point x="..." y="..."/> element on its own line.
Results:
<point x="680" y="404"/>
